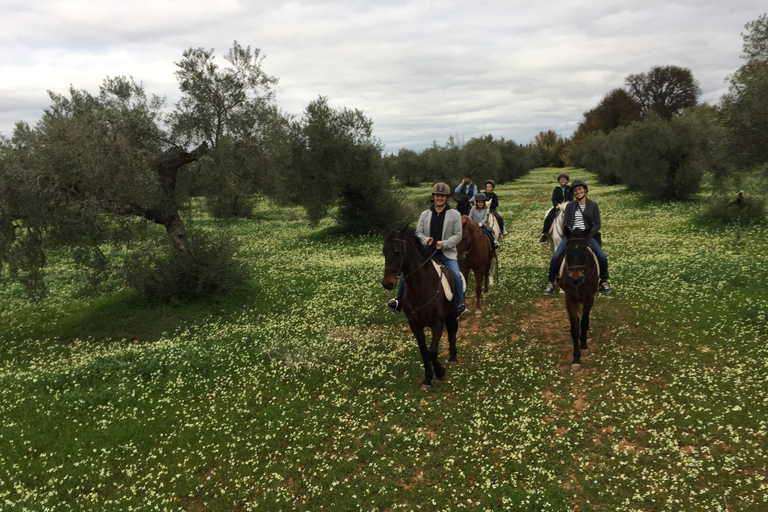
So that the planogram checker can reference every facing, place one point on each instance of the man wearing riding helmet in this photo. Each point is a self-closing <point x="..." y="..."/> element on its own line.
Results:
<point x="493" y="203"/>
<point x="560" y="194"/>
<point x="582" y="219"/>
<point x="439" y="229"/>
<point x="479" y="215"/>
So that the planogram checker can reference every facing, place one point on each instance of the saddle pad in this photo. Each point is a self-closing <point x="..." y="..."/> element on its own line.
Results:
<point x="446" y="283"/>
<point x="597" y="264"/>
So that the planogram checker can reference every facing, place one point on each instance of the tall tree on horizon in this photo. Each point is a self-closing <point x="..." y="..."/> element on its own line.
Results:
<point x="666" y="90"/>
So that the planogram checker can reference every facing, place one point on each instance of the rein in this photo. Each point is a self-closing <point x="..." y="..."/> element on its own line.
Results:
<point x="402" y="260"/>
<point x="583" y="267"/>
<point x="399" y="268"/>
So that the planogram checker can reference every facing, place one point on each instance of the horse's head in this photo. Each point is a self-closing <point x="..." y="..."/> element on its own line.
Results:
<point x="394" y="256"/>
<point x="576" y="257"/>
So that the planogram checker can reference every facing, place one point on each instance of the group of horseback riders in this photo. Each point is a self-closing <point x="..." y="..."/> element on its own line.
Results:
<point x="439" y="228"/>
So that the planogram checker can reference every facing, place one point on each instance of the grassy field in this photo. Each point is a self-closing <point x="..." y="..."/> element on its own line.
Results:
<point x="302" y="392"/>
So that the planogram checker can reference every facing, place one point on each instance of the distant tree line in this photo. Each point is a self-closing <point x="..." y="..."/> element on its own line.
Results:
<point x="484" y="157"/>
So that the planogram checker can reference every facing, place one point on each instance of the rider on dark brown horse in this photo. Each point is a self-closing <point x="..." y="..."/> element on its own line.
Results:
<point x="479" y="215"/>
<point x="560" y="195"/>
<point x="582" y="220"/>
<point x="493" y="204"/>
<point x="439" y="229"/>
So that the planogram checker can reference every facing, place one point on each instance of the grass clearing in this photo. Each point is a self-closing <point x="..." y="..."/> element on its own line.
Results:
<point x="302" y="393"/>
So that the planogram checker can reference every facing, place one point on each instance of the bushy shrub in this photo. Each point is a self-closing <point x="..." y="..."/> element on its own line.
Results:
<point x="593" y="154"/>
<point x="726" y="205"/>
<point x="210" y="269"/>
<point x="663" y="159"/>
<point x="230" y="203"/>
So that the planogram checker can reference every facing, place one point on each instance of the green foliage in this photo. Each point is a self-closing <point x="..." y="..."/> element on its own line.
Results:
<point x="593" y="153"/>
<point x="551" y="146"/>
<point x="210" y="269"/>
<point x="516" y="160"/>
<point x="337" y="161"/>
<point x="482" y="158"/>
<point x="665" y="160"/>
<point x="665" y="90"/>
<point x="232" y="110"/>
<point x="756" y="39"/>
<point x="662" y="159"/>
<point x="739" y="198"/>
<point x="744" y="111"/>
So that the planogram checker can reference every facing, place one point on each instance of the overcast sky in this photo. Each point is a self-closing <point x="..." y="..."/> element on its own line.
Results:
<point x="421" y="70"/>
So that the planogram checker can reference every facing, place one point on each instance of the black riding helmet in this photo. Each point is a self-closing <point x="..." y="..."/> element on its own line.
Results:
<point x="579" y="183"/>
<point x="480" y="197"/>
<point x="563" y="175"/>
<point x="491" y="182"/>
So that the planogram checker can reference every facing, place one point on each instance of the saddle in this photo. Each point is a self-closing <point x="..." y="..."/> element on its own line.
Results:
<point x="446" y="278"/>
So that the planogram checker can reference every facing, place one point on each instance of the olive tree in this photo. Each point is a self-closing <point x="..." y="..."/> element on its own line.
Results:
<point x="337" y="161"/>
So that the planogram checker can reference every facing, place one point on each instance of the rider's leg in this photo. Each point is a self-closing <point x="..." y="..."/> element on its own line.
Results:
<point x="553" y="261"/>
<point x="601" y="258"/>
<point x="490" y="235"/>
<point x="453" y="265"/>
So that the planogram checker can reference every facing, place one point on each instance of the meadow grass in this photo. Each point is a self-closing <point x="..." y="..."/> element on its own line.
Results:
<point x="300" y="392"/>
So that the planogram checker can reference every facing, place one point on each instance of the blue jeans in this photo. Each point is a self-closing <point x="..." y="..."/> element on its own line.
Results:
<point x="458" y="297"/>
<point x="490" y="232"/>
<point x="601" y="258"/>
<point x="453" y="265"/>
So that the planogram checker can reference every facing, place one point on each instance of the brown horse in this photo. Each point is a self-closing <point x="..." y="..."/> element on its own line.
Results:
<point x="579" y="282"/>
<point x="476" y="254"/>
<point x="423" y="300"/>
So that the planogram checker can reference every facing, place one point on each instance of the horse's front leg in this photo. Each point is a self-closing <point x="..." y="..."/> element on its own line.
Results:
<point x="573" y="317"/>
<point x="437" y="333"/>
<point x="478" y="292"/>
<point x="452" y="325"/>
<point x="584" y="349"/>
<point x="418" y="333"/>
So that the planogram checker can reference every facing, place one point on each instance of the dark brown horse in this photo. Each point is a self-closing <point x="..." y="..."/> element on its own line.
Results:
<point x="579" y="282"/>
<point x="423" y="299"/>
<point x="476" y="254"/>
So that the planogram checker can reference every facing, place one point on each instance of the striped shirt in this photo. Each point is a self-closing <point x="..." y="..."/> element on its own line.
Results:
<point x="578" y="219"/>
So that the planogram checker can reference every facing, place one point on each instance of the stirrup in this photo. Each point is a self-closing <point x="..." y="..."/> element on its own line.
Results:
<point x="393" y="305"/>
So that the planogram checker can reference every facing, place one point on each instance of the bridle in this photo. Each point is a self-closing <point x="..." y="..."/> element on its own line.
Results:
<point x="400" y="267"/>
<point x="568" y="268"/>
<point x="402" y="260"/>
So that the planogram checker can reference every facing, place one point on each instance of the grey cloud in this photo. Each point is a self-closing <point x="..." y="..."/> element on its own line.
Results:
<point x="422" y="70"/>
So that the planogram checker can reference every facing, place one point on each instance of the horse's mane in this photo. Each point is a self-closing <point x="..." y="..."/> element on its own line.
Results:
<point x="425" y="252"/>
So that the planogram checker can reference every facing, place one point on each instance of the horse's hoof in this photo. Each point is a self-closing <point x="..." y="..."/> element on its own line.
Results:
<point x="490" y="282"/>
<point x="478" y="313"/>
<point x="574" y="367"/>
<point x="584" y="351"/>
<point x="562" y="292"/>
<point x="453" y="363"/>
<point x="426" y="387"/>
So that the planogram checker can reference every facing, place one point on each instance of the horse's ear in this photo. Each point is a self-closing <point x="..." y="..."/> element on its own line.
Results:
<point x="404" y="228"/>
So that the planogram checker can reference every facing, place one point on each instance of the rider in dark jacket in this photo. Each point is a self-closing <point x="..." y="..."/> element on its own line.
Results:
<point x="561" y="194"/>
<point x="582" y="219"/>
<point x="493" y="203"/>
